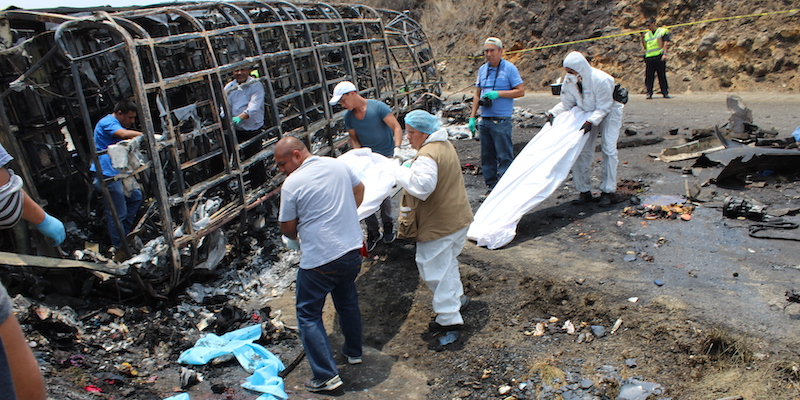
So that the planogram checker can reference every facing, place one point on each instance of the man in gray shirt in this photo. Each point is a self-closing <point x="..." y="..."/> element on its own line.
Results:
<point x="246" y="98"/>
<point x="319" y="202"/>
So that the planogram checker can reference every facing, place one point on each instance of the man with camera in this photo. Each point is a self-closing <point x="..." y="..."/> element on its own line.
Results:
<point x="497" y="85"/>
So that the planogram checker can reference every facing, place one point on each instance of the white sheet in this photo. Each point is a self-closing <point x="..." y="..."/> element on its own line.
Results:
<point x="533" y="176"/>
<point x="376" y="173"/>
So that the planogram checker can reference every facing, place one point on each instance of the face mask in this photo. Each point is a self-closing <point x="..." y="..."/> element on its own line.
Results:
<point x="571" y="78"/>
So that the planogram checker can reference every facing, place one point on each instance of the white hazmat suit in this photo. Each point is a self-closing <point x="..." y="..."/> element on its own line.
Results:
<point x="594" y="95"/>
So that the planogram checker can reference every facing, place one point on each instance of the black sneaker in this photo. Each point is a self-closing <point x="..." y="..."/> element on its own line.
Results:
<point x="373" y="241"/>
<point x="389" y="235"/>
<point x="434" y="326"/>
<point x="585" y="197"/>
<point x="325" y="385"/>
<point x="605" y="199"/>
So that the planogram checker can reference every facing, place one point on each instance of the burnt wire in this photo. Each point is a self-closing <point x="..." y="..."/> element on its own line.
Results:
<point x="776" y="223"/>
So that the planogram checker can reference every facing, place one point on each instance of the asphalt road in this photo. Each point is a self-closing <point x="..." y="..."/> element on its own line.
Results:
<point x="710" y="263"/>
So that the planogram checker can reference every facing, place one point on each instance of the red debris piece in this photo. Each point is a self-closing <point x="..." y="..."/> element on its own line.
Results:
<point x="93" y="389"/>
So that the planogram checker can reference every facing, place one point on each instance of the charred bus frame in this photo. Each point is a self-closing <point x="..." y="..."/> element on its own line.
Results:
<point x="64" y="69"/>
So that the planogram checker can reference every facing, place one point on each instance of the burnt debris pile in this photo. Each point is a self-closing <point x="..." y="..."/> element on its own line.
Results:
<point x="64" y="69"/>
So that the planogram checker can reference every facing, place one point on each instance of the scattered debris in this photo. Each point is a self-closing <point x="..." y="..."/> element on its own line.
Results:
<point x="634" y="389"/>
<point x="744" y="164"/>
<point x="660" y="207"/>
<point x="617" y="325"/>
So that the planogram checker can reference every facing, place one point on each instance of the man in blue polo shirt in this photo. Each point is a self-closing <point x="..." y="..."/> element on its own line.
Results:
<point x="111" y="129"/>
<point x="497" y="86"/>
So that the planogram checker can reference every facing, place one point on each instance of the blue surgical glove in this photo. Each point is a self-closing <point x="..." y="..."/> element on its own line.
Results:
<point x="473" y="125"/>
<point x="52" y="228"/>
<point x="236" y="120"/>
<point x="492" y="94"/>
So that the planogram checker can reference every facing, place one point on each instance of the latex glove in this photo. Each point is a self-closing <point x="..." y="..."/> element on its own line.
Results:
<point x="473" y="125"/>
<point x="52" y="228"/>
<point x="291" y="244"/>
<point x="550" y="118"/>
<point x="408" y="163"/>
<point x="397" y="152"/>
<point x="492" y="94"/>
<point x="236" y="120"/>
<point x="586" y="127"/>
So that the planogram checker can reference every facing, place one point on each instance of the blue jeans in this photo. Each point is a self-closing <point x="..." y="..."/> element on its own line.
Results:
<point x="127" y="207"/>
<point x="497" y="151"/>
<point x="338" y="278"/>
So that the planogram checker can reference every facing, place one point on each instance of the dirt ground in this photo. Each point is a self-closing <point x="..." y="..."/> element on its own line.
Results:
<point x="717" y="325"/>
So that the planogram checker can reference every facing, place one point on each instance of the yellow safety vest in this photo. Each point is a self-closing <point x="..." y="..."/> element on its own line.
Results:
<point x="651" y="48"/>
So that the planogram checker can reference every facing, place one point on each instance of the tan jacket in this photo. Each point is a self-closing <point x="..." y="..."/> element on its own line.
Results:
<point x="446" y="210"/>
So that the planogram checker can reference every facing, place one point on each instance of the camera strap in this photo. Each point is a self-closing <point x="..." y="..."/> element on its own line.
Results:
<point x="496" y="73"/>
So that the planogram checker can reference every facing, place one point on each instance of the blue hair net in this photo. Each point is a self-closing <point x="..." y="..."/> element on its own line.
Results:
<point x="422" y="121"/>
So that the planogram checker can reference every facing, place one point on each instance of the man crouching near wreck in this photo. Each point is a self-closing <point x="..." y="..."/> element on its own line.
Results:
<point x="319" y="199"/>
<point x="435" y="212"/>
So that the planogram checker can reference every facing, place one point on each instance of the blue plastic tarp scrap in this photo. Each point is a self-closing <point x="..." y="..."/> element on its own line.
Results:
<point x="212" y="346"/>
<point x="182" y="396"/>
<point x="254" y="358"/>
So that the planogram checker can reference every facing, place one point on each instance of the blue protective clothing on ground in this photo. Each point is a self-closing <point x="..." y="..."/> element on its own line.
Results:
<point x="254" y="358"/>
<point x="182" y="396"/>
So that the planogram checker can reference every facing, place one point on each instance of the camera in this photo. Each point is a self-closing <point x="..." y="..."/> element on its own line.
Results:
<point x="485" y="102"/>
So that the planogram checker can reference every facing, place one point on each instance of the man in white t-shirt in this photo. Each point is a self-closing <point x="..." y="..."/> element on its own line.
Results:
<point x="319" y="202"/>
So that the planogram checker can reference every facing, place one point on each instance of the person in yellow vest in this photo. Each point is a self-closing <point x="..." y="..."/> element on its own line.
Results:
<point x="655" y="41"/>
<point x="435" y="212"/>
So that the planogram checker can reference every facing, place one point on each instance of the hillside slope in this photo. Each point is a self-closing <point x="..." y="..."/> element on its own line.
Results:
<point x="742" y="54"/>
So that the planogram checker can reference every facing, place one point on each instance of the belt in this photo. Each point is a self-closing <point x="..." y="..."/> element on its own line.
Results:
<point x="496" y="118"/>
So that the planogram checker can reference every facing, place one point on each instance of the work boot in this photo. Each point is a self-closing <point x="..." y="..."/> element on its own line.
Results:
<point x="667" y="96"/>
<point x="649" y="96"/>
<point x="585" y="197"/>
<point x="605" y="199"/>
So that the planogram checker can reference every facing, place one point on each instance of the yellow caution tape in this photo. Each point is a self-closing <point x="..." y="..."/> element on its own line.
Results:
<point x="705" y="21"/>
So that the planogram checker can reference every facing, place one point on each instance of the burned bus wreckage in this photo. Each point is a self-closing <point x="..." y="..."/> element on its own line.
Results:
<point x="64" y="69"/>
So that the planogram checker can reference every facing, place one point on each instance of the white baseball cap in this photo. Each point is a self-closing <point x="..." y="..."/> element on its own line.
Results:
<point x="495" y="41"/>
<point x="341" y="89"/>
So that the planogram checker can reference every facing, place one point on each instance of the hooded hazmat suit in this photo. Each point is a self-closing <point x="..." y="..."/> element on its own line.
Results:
<point x="595" y="95"/>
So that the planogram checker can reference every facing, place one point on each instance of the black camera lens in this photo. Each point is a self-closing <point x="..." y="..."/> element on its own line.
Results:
<point x="485" y="102"/>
